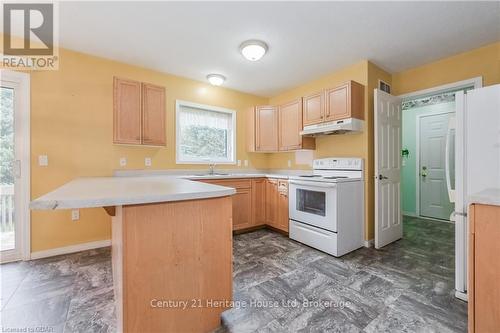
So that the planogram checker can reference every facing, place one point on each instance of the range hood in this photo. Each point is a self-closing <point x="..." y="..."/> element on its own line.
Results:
<point x="344" y="126"/>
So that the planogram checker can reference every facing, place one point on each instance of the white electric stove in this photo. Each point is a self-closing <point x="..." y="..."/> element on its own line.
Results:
<point x="326" y="208"/>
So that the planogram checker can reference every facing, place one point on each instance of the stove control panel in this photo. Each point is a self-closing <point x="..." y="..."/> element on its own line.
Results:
<point x="332" y="163"/>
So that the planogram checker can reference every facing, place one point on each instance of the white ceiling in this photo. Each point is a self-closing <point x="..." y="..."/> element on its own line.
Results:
<point x="306" y="40"/>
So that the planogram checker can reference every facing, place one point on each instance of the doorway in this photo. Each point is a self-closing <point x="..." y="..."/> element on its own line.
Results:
<point x="14" y="166"/>
<point x="425" y="129"/>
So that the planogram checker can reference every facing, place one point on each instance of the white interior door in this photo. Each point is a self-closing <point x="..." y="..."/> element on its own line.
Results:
<point x="434" y="198"/>
<point x="388" y="140"/>
<point x="14" y="166"/>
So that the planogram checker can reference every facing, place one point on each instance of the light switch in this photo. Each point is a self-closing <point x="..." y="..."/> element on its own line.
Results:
<point x="43" y="160"/>
<point x="75" y="214"/>
<point x="123" y="161"/>
<point x="147" y="161"/>
<point x="246" y="163"/>
<point x="239" y="163"/>
<point x="289" y="163"/>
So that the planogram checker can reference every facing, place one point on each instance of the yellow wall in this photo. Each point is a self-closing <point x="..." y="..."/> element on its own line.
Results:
<point x="484" y="61"/>
<point x="71" y="122"/>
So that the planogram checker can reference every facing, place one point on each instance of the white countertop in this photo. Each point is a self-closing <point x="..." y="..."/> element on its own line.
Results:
<point x="219" y="174"/>
<point x="118" y="191"/>
<point x="490" y="196"/>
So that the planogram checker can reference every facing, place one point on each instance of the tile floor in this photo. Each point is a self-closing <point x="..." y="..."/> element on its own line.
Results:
<point x="407" y="286"/>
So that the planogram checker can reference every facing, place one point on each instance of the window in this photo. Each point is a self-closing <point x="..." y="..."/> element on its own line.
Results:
<point x="205" y="134"/>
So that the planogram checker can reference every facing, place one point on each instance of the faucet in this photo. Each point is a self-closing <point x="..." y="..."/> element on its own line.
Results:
<point x="211" y="167"/>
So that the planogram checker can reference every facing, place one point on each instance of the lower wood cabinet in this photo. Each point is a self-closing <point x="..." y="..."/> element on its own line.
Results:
<point x="484" y="268"/>
<point x="257" y="202"/>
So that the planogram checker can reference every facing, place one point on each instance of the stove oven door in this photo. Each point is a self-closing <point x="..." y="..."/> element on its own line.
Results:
<point x="313" y="203"/>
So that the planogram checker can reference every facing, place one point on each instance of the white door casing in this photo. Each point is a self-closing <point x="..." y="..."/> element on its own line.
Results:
<point x="434" y="198"/>
<point x="388" y="141"/>
<point x="20" y="82"/>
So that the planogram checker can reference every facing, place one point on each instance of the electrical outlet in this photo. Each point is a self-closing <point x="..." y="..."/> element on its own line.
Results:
<point x="123" y="161"/>
<point x="289" y="163"/>
<point x="43" y="160"/>
<point x="147" y="161"/>
<point x="246" y="163"/>
<point x="75" y="214"/>
<point x="239" y="163"/>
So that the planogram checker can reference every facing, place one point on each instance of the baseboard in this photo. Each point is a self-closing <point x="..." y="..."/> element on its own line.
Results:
<point x="461" y="295"/>
<point x="369" y="243"/>
<point x="70" y="249"/>
<point x="411" y="214"/>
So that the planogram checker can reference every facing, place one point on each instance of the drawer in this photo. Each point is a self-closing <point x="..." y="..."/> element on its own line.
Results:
<point x="320" y="239"/>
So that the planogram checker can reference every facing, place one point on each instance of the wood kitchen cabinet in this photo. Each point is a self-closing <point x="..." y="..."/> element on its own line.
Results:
<point x="138" y="113"/>
<point x="290" y="125"/>
<point x="484" y="268"/>
<point x="282" y="222"/>
<point x="272" y="202"/>
<point x="127" y="111"/>
<point x="345" y="101"/>
<point x="313" y="108"/>
<point x="262" y="129"/>
<point x="259" y="201"/>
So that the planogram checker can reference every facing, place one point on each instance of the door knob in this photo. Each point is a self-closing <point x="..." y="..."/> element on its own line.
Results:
<point x="380" y="177"/>
<point x="424" y="171"/>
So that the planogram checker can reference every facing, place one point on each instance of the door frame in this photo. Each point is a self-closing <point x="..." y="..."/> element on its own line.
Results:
<point x="21" y="82"/>
<point x="417" y="161"/>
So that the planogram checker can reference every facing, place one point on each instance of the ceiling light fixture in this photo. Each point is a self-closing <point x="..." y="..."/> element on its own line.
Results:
<point x="216" y="79"/>
<point x="253" y="50"/>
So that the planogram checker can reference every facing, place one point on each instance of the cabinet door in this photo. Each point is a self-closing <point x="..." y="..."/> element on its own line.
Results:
<point x="259" y="201"/>
<point x="272" y="202"/>
<point x="290" y="125"/>
<point x="242" y="209"/>
<point x="126" y="111"/>
<point x="266" y="128"/>
<point x="313" y="108"/>
<point x="283" y="205"/>
<point x="484" y="303"/>
<point x="153" y="113"/>
<point x="337" y="103"/>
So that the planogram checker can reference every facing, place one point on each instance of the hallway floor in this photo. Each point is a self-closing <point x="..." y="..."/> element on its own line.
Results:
<point x="407" y="286"/>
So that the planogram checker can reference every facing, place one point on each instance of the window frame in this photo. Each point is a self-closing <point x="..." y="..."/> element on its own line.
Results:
<point x="232" y="140"/>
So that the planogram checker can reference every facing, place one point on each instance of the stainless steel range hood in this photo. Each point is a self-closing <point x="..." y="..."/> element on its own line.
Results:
<point x="344" y="126"/>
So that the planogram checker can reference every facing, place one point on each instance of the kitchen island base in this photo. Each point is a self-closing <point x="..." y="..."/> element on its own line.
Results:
<point x="172" y="265"/>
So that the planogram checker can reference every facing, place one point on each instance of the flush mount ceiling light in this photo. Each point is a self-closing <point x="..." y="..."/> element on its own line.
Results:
<point x="216" y="79"/>
<point x="253" y="50"/>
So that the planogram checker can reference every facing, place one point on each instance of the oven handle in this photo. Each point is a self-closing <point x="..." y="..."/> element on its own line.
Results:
<point x="315" y="184"/>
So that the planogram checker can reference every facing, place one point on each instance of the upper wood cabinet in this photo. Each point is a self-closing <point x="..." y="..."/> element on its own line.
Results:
<point x="127" y="111"/>
<point x="313" y="108"/>
<point x="290" y="125"/>
<point x="153" y="117"/>
<point x="138" y="113"/>
<point x="345" y="101"/>
<point x="266" y="128"/>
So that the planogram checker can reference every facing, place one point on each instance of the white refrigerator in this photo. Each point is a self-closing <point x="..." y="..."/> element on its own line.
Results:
<point x="473" y="163"/>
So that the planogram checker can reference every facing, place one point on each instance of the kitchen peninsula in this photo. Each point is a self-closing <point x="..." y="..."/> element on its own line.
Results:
<point x="171" y="243"/>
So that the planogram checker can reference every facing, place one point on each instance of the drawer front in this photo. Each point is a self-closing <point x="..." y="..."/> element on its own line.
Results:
<point x="314" y="237"/>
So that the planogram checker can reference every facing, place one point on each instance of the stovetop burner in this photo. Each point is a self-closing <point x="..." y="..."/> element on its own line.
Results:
<point x="309" y="176"/>
<point x="334" y="177"/>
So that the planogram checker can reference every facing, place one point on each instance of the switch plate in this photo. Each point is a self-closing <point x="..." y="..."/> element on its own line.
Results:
<point x="289" y="163"/>
<point x="43" y="160"/>
<point x="239" y="163"/>
<point x="147" y="161"/>
<point x="75" y="214"/>
<point x="246" y="163"/>
<point x="123" y="161"/>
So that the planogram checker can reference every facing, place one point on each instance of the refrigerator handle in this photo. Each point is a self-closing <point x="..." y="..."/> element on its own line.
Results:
<point x="447" y="164"/>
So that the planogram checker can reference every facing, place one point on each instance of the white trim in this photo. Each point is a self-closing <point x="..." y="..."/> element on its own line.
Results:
<point x="369" y="243"/>
<point x="417" y="154"/>
<point x="476" y="82"/>
<point x="179" y="103"/>
<point x="21" y="82"/>
<point x="70" y="249"/>
<point x="462" y="296"/>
